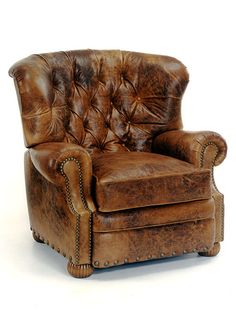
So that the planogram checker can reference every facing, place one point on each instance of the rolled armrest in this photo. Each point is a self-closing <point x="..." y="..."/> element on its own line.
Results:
<point x="203" y="149"/>
<point x="67" y="165"/>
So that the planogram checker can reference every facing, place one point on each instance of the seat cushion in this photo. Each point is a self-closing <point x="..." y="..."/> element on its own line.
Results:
<point x="127" y="180"/>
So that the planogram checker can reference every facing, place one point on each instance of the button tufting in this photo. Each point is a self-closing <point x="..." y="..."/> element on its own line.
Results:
<point x="138" y="98"/>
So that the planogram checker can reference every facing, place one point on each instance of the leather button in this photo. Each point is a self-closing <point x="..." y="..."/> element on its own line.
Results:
<point x="129" y="122"/>
<point x="138" y="98"/>
<point x="123" y="144"/>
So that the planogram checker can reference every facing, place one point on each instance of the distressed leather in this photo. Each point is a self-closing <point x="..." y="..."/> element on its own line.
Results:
<point x="47" y="159"/>
<point x="203" y="149"/>
<point x="138" y="179"/>
<point x="103" y="101"/>
<point x="137" y="218"/>
<point x="110" y="176"/>
<point x="49" y="214"/>
<point x="136" y="245"/>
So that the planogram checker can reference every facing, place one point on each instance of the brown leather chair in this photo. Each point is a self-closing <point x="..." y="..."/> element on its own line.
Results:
<point x="110" y="176"/>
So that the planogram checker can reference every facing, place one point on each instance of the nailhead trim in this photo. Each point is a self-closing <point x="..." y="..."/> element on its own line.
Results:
<point x="204" y="147"/>
<point x="213" y="180"/>
<point x="70" y="204"/>
<point x="77" y="238"/>
<point x="58" y="250"/>
<point x="174" y="253"/>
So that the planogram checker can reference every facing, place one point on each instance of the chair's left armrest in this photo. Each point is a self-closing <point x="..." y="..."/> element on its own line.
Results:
<point x="203" y="149"/>
<point x="69" y="166"/>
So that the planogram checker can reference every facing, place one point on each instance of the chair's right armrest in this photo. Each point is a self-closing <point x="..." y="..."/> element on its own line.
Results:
<point x="67" y="165"/>
<point x="203" y="148"/>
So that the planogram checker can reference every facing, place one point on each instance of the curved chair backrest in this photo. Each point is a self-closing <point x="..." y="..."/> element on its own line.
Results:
<point x="102" y="100"/>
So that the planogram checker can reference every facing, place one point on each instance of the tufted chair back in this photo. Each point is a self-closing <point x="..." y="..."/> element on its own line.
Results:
<point x="101" y="100"/>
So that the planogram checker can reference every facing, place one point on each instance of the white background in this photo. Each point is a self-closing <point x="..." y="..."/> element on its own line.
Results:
<point x="33" y="278"/>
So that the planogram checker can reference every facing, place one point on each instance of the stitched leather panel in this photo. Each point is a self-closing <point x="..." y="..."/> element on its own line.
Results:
<point x="153" y="216"/>
<point x="138" y="179"/>
<point x="101" y="100"/>
<point x="49" y="213"/>
<point x="130" y="246"/>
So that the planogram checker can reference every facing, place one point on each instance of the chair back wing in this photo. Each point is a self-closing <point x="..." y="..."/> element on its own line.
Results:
<point x="102" y="100"/>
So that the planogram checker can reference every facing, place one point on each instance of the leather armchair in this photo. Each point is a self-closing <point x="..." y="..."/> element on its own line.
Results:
<point x="111" y="177"/>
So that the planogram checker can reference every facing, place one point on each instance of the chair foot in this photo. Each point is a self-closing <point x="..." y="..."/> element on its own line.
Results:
<point x="80" y="271"/>
<point x="36" y="238"/>
<point x="212" y="252"/>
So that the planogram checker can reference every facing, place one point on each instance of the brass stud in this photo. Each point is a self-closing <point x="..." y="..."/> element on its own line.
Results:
<point x="52" y="246"/>
<point x="64" y="254"/>
<point x="185" y="251"/>
<point x="162" y="254"/>
<point x="106" y="263"/>
<point x="137" y="258"/>
<point x="126" y="260"/>
<point x="149" y="256"/>
<point x="58" y="250"/>
<point x="96" y="263"/>
<point x="47" y="242"/>
<point x="174" y="253"/>
<point x="194" y="250"/>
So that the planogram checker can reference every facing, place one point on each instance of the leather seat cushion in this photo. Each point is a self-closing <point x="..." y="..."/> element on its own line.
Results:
<point x="127" y="180"/>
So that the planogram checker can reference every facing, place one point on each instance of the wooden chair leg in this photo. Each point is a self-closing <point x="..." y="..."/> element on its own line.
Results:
<point x="213" y="251"/>
<point x="80" y="271"/>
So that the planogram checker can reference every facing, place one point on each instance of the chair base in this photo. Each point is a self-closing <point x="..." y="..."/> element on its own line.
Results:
<point x="36" y="237"/>
<point x="212" y="252"/>
<point x="79" y="271"/>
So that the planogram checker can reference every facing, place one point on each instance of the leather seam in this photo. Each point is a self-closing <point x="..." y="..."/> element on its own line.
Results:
<point x="155" y="225"/>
